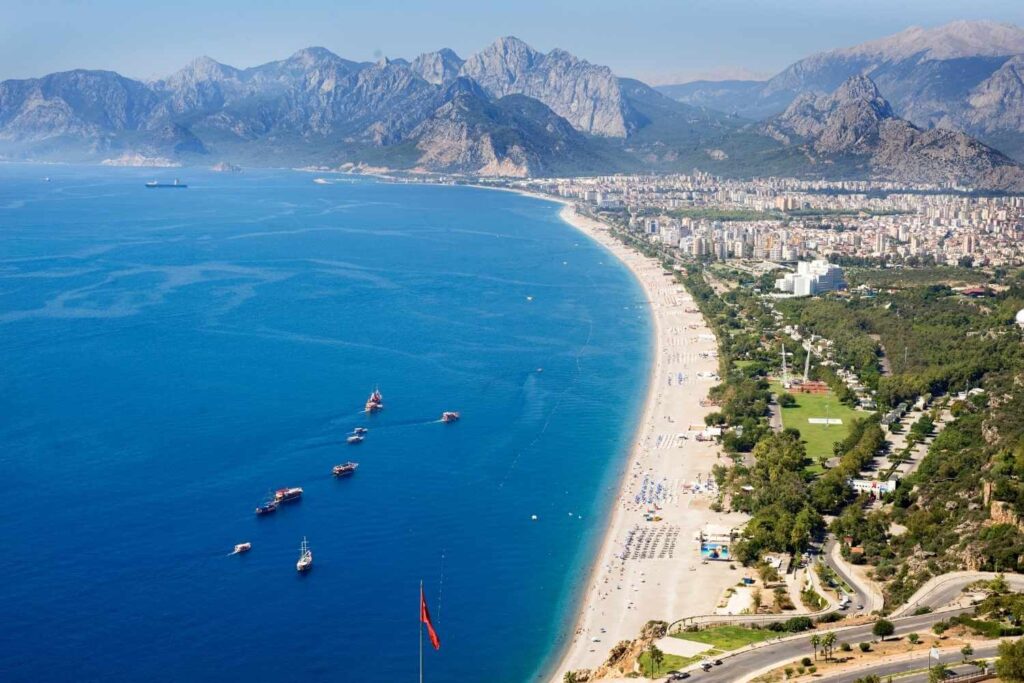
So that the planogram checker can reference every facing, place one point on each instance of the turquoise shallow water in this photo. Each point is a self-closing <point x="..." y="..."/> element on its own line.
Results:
<point x="168" y="356"/>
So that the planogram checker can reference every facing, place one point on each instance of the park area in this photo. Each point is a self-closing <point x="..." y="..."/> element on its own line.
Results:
<point x="696" y="646"/>
<point x="816" y="416"/>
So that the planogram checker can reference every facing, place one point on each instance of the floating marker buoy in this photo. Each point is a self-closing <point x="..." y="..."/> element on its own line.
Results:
<point x="533" y="517"/>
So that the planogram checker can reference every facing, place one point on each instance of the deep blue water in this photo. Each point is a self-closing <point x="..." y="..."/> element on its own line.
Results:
<point x="168" y="356"/>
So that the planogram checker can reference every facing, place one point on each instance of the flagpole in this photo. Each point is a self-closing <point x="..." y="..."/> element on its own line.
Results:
<point x="420" y="620"/>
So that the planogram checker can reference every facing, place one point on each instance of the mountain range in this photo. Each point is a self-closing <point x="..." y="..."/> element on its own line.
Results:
<point x="508" y="110"/>
<point x="966" y="75"/>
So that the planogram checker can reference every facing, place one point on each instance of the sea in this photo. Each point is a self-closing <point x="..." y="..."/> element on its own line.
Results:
<point x="168" y="357"/>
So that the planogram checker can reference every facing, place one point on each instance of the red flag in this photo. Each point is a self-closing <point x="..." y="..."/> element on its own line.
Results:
<point x="425" y="618"/>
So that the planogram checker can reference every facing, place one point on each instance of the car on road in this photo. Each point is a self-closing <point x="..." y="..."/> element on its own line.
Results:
<point x="679" y="676"/>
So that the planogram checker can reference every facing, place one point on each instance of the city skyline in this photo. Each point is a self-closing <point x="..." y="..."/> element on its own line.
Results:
<point x="656" y="41"/>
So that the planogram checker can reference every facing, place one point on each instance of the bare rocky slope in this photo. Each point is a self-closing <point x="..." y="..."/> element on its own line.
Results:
<point x="964" y="75"/>
<point x="857" y="125"/>
<point x="508" y="110"/>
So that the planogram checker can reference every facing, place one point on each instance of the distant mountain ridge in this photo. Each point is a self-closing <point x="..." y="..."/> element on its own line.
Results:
<point x="507" y="110"/>
<point x="963" y="75"/>
<point x="856" y="125"/>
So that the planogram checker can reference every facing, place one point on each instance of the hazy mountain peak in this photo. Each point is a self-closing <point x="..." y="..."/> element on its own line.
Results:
<point x="587" y="96"/>
<point x="949" y="41"/>
<point x="860" y="88"/>
<point x="201" y="69"/>
<point x="437" y="67"/>
<point x="310" y="56"/>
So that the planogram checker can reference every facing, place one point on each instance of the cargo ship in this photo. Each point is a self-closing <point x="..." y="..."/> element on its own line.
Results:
<point x="175" y="184"/>
<point x="375" y="402"/>
<point x="287" y="494"/>
<point x="344" y="469"/>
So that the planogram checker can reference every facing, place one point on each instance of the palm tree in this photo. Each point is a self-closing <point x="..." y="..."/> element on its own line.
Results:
<point x="569" y="677"/>
<point x="828" y="642"/>
<point x="815" y="642"/>
<point x="656" y="656"/>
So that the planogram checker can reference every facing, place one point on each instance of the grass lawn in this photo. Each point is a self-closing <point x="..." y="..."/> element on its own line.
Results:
<point x="727" y="637"/>
<point x="819" y="437"/>
<point x="670" y="663"/>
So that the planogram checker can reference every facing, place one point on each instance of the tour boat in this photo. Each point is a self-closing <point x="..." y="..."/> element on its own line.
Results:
<point x="267" y="508"/>
<point x="305" y="557"/>
<point x="375" y="402"/>
<point x="449" y="416"/>
<point x="287" y="494"/>
<point x="243" y="548"/>
<point x="175" y="184"/>
<point x="359" y="431"/>
<point x="355" y="438"/>
<point x="345" y="469"/>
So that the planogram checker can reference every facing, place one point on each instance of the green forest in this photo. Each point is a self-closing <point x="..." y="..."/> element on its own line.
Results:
<point x="963" y="507"/>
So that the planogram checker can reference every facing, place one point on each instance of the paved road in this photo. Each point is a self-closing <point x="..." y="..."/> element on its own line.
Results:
<point x="862" y="596"/>
<point x="744" y="664"/>
<point x="952" y="659"/>
<point x="946" y="588"/>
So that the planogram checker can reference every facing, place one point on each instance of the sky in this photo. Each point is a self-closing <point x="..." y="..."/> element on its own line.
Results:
<point x="659" y="41"/>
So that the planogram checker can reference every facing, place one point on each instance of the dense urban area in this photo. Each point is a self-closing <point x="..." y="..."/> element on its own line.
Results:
<point x="784" y="219"/>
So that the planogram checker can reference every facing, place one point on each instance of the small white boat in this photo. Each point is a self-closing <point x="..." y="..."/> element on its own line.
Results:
<point x="242" y="548"/>
<point x="321" y="181"/>
<point x="355" y="438"/>
<point x="305" y="562"/>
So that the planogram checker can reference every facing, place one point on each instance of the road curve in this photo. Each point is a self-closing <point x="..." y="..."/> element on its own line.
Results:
<point x="942" y="590"/>
<point x="867" y="593"/>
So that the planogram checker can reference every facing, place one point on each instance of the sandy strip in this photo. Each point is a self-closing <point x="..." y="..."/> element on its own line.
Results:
<point x="655" y="583"/>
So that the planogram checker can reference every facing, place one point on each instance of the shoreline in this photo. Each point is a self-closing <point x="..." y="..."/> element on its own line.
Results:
<point x="660" y="588"/>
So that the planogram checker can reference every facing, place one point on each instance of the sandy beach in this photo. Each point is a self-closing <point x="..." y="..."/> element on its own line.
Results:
<point x="651" y="568"/>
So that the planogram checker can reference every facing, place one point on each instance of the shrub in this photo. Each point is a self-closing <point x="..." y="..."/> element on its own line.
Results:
<point x="845" y="647"/>
<point x="811" y="669"/>
<point x="829" y="618"/>
<point x="797" y="624"/>
<point x="913" y="638"/>
<point x="864" y="647"/>
<point x="806" y="661"/>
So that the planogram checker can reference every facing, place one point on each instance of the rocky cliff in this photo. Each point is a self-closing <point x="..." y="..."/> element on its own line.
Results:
<point x="856" y="123"/>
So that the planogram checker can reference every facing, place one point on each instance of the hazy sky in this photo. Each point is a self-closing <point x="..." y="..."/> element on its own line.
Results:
<point x="656" y="40"/>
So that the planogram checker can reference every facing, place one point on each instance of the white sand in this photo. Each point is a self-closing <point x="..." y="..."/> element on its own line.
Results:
<point x="624" y="594"/>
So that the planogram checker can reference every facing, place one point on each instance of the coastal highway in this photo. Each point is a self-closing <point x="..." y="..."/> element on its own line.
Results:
<point x="748" y="663"/>
<point x="953" y="660"/>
